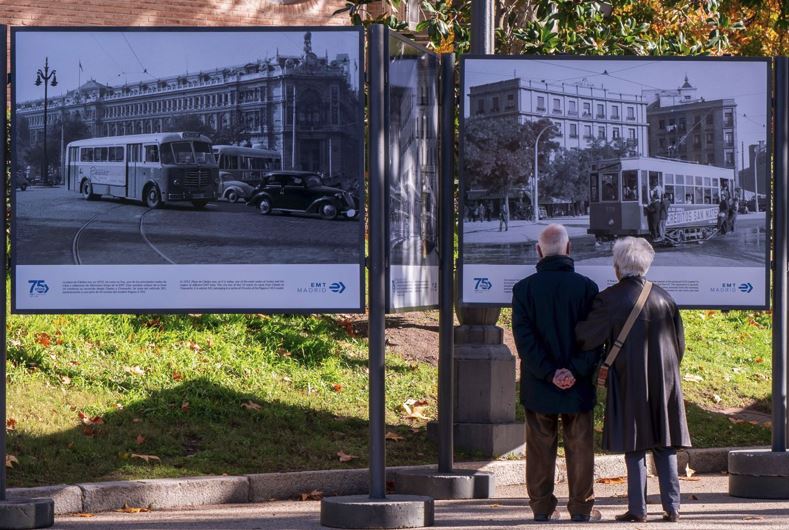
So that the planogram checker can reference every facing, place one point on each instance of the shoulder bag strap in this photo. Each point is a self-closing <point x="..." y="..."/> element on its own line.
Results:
<point x="623" y="333"/>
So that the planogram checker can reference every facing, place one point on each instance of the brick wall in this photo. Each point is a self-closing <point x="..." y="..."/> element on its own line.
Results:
<point x="171" y="12"/>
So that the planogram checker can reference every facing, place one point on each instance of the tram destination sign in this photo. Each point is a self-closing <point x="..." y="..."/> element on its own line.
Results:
<point x="188" y="170"/>
<point x="674" y="150"/>
<point x="412" y="175"/>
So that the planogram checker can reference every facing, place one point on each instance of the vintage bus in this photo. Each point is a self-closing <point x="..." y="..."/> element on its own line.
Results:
<point x="242" y="168"/>
<point x="620" y="190"/>
<point x="152" y="168"/>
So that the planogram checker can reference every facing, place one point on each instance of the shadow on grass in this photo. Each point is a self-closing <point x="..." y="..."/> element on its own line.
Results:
<point x="200" y="428"/>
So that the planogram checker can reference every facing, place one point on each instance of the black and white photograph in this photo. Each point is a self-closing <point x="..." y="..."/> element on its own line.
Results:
<point x="135" y="149"/>
<point x="674" y="150"/>
<point x="412" y="175"/>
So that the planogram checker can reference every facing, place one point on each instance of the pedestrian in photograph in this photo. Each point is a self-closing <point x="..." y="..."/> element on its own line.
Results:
<point x="556" y="377"/>
<point x="644" y="409"/>
<point x="723" y="215"/>
<point x="504" y="220"/>
<point x="482" y="211"/>
<point x="653" y="216"/>
<point x="665" y="203"/>
<point x="734" y="206"/>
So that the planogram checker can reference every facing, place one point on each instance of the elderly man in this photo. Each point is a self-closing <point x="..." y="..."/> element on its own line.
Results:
<point x="556" y="377"/>
<point x="644" y="410"/>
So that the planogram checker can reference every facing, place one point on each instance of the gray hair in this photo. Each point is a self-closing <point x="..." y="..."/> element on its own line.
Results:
<point x="633" y="256"/>
<point x="553" y="240"/>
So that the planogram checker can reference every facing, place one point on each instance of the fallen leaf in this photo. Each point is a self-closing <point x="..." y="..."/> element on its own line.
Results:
<point x="494" y="505"/>
<point x="195" y="347"/>
<point x="414" y="409"/>
<point x="344" y="457"/>
<point x="10" y="424"/>
<point x="251" y="405"/>
<point x="119" y="406"/>
<point x="693" y="497"/>
<point x="337" y="387"/>
<point x="43" y="339"/>
<point x="147" y="458"/>
<point x="185" y="406"/>
<point x="10" y="460"/>
<point x="89" y="431"/>
<point x="735" y="420"/>
<point x="283" y="352"/>
<point x="753" y="518"/>
<point x="759" y="360"/>
<point x="95" y="420"/>
<point x="136" y="420"/>
<point x="393" y="436"/>
<point x="66" y="380"/>
<point x="716" y="398"/>
<point x="314" y="495"/>
<point x="134" y="370"/>
<point x="85" y="514"/>
<point x="177" y="376"/>
<point x="693" y="378"/>
<point x="132" y="509"/>
<point x="690" y="479"/>
<point x="689" y="472"/>
<point x="140" y="439"/>
<point x="612" y="480"/>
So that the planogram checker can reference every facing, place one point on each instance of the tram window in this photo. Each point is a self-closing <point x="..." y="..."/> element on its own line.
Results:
<point x="594" y="196"/>
<point x="715" y="183"/>
<point x="630" y="185"/>
<point x="688" y="197"/>
<point x="86" y="154"/>
<point x="707" y="196"/>
<point x="680" y="179"/>
<point x="668" y="178"/>
<point x="698" y="195"/>
<point x="716" y="198"/>
<point x="655" y="188"/>
<point x="670" y="193"/>
<point x="679" y="194"/>
<point x="609" y="187"/>
<point x="699" y="181"/>
<point x="707" y="181"/>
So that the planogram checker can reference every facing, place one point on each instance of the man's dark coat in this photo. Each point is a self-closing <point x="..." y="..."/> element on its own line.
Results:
<point x="545" y="308"/>
<point x="644" y="406"/>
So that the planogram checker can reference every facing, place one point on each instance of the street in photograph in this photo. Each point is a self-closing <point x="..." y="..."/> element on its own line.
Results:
<point x="671" y="150"/>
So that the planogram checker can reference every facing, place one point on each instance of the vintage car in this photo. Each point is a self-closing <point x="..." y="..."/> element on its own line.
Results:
<point x="234" y="190"/>
<point x="302" y="192"/>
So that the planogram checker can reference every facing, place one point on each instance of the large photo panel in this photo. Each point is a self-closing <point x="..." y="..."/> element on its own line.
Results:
<point x="675" y="150"/>
<point x="411" y="175"/>
<point x="187" y="170"/>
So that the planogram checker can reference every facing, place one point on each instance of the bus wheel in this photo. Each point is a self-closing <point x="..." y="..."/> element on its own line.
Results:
<point x="199" y="204"/>
<point x="87" y="191"/>
<point x="264" y="206"/>
<point x="328" y="210"/>
<point x="231" y="196"/>
<point x="153" y="198"/>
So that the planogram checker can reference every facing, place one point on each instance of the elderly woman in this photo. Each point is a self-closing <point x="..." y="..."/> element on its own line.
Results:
<point x="644" y="407"/>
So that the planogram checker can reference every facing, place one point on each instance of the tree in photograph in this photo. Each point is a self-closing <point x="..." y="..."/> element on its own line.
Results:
<point x="567" y="176"/>
<point x="499" y="154"/>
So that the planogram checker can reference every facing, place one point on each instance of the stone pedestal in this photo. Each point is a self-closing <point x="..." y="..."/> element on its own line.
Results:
<point x="759" y="474"/>
<point x="484" y="410"/>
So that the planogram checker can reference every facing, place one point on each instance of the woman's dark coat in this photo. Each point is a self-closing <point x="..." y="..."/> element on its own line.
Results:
<point x="644" y="406"/>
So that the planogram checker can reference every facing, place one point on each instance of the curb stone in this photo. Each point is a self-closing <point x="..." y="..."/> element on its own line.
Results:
<point x="196" y="491"/>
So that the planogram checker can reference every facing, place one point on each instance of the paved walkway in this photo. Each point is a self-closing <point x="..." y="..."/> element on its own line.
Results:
<point x="706" y="504"/>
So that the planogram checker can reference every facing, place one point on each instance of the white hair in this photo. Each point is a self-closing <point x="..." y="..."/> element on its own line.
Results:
<point x="553" y="240"/>
<point x="633" y="256"/>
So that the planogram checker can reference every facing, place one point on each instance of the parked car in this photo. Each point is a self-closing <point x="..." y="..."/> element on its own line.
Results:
<point x="234" y="190"/>
<point x="302" y="192"/>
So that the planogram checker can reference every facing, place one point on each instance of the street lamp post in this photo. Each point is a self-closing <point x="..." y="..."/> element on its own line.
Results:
<point x="48" y="78"/>
<point x="535" y="202"/>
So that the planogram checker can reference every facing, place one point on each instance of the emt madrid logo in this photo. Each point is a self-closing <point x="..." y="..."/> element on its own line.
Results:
<point x="482" y="284"/>
<point x="321" y="287"/>
<point x="38" y="287"/>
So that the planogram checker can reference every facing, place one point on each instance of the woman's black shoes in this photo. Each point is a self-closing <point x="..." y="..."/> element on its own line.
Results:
<point x="671" y="517"/>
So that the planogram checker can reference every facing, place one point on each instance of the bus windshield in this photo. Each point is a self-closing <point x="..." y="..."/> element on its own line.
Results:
<point x="187" y="153"/>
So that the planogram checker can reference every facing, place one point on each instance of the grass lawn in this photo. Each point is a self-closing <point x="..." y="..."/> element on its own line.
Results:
<point x="119" y="397"/>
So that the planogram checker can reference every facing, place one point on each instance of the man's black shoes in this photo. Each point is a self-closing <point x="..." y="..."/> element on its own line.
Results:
<point x="671" y="517"/>
<point x="545" y="517"/>
<point x="628" y="517"/>
<point x="593" y="516"/>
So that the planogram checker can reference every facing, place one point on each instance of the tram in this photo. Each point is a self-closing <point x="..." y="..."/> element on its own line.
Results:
<point x="621" y="189"/>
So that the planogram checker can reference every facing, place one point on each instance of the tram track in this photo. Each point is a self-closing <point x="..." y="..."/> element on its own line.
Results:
<point x="78" y="236"/>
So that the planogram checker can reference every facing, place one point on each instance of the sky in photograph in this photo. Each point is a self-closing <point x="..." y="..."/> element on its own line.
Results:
<point x="118" y="57"/>
<point x="745" y="82"/>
